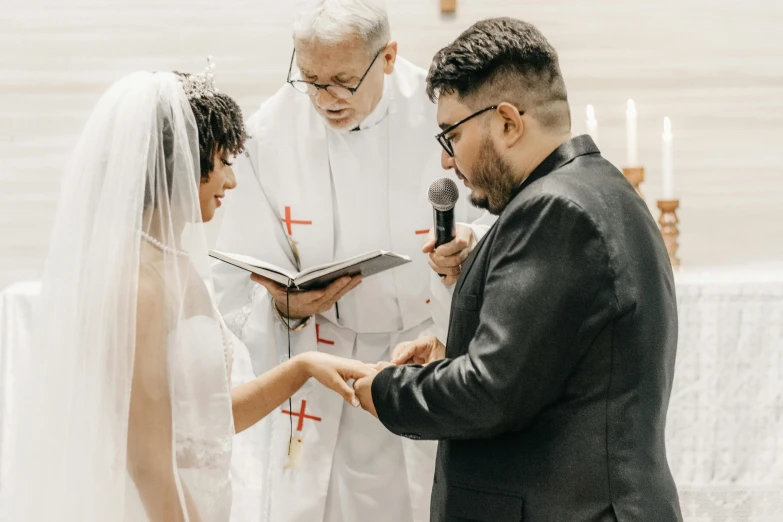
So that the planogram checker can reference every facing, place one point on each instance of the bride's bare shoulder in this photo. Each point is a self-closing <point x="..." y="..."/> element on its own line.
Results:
<point x="151" y="296"/>
<point x="151" y="285"/>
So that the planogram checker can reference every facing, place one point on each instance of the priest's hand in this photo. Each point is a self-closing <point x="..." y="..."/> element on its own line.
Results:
<point x="305" y="304"/>
<point x="423" y="350"/>
<point x="334" y="372"/>
<point x="363" y="389"/>
<point x="447" y="259"/>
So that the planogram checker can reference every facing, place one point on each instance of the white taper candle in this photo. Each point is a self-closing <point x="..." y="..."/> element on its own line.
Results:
<point x="667" y="160"/>
<point x="631" y="158"/>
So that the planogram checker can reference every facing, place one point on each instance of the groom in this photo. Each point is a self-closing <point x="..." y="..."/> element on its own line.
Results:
<point x="550" y="400"/>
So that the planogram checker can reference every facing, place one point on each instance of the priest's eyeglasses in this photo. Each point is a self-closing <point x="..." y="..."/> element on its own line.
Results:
<point x="445" y="141"/>
<point x="341" y="92"/>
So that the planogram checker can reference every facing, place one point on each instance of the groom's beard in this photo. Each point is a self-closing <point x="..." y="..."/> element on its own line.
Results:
<point x="495" y="177"/>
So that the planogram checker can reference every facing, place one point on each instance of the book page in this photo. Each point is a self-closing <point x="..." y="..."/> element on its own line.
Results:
<point x="337" y="265"/>
<point x="240" y="259"/>
<point x="366" y="264"/>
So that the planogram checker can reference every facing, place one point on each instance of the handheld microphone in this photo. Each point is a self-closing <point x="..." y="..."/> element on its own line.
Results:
<point x="443" y="195"/>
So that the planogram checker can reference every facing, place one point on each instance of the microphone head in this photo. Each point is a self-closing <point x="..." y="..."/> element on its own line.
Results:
<point x="443" y="194"/>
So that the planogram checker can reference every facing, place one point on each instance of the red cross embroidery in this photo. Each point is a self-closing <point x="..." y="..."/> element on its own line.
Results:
<point x="421" y="232"/>
<point x="301" y="415"/>
<point x="288" y="221"/>
<point x="318" y="336"/>
<point x="427" y="301"/>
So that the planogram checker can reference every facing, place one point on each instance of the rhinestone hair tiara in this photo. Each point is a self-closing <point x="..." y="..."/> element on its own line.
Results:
<point x="202" y="84"/>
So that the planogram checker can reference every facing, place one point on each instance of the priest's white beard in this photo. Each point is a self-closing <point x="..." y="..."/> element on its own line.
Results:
<point x="349" y="121"/>
<point x="341" y="125"/>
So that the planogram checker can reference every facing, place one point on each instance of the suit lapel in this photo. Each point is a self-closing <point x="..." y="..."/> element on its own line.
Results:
<point x="469" y="262"/>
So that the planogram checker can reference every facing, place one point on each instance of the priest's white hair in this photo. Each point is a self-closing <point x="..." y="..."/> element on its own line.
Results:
<point x="334" y="21"/>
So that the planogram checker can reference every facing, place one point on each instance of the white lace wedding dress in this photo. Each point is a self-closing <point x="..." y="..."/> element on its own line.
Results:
<point x="204" y="448"/>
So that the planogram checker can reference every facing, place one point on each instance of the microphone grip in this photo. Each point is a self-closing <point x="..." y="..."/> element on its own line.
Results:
<point x="444" y="226"/>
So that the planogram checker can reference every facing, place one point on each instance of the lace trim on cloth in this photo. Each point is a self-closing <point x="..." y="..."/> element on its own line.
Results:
<point x="204" y="464"/>
<point x="238" y="320"/>
<point x="728" y="504"/>
<point x="725" y="421"/>
<point x="203" y="453"/>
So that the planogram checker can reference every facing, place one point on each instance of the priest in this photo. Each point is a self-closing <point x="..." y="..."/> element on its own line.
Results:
<point x="339" y="164"/>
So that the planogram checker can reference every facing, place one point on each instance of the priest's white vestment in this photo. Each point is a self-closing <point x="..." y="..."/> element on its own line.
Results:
<point x="335" y="195"/>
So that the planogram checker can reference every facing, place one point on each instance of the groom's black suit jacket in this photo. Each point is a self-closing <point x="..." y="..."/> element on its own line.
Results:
<point x="551" y="402"/>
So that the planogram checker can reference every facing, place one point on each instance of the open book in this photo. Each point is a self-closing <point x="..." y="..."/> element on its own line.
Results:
<point x="320" y="276"/>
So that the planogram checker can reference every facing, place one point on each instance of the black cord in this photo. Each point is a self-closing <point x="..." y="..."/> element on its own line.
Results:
<point x="290" y="408"/>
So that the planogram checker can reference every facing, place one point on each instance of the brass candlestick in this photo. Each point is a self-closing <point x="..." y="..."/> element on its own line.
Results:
<point x="669" y="229"/>
<point x="448" y="6"/>
<point x="635" y="176"/>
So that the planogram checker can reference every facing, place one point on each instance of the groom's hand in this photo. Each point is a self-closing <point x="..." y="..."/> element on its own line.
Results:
<point x="447" y="259"/>
<point x="363" y="389"/>
<point x="382" y="365"/>
<point x="423" y="350"/>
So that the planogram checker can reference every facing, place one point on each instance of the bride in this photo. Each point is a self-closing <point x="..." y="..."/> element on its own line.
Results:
<point x="127" y="412"/>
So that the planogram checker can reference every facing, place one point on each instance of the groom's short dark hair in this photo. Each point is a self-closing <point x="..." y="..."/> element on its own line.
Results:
<point x="503" y="60"/>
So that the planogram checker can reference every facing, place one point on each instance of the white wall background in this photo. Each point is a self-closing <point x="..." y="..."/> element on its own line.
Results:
<point x="715" y="67"/>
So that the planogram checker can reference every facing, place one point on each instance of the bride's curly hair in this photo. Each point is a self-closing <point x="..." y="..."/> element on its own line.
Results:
<point x="220" y="128"/>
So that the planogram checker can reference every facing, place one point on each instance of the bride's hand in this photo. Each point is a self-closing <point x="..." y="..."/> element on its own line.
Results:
<point x="333" y="372"/>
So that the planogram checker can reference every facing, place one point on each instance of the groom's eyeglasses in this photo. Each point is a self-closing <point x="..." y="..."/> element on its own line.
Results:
<point x="445" y="140"/>
<point x="340" y="92"/>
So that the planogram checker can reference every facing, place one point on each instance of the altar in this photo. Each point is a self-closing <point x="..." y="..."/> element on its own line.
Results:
<point x="724" y="432"/>
<point x="16" y="314"/>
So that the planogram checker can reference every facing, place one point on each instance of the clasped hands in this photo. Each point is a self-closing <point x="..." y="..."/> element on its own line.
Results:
<point x="336" y="372"/>
<point x="423" y="350"/>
